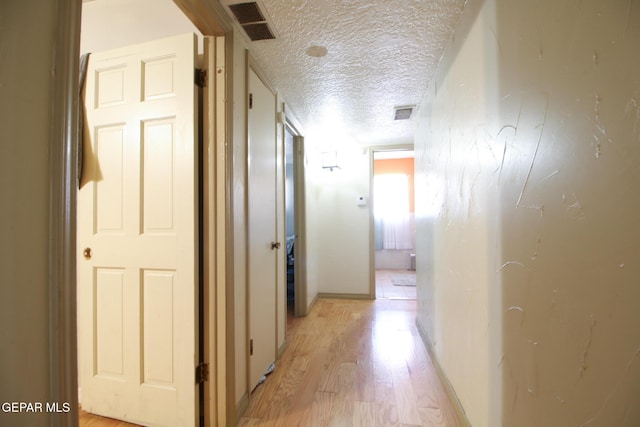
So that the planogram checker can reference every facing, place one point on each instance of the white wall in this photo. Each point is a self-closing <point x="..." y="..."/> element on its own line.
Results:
<point x="527" y="163"/>
<point x="455" y="249"/>
<point x="341" y="228"/>
<point x="28" y="105"/>
<point x="312" y="216"/>
<point x="25" y="100"/>
<point x="108" y="24"/>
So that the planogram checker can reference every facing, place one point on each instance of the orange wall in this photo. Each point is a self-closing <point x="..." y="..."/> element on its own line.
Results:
<point x="404" y="166"/>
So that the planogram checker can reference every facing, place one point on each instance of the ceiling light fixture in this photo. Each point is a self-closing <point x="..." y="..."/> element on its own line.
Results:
<point x="330" y="160"/>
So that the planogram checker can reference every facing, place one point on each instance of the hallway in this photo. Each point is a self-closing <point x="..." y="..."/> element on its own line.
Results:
<point x="353" y="363"/>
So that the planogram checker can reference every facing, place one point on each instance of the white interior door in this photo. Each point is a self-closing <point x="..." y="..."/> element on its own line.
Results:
<point x="262" y="227"/>
<point x="137" y="235"/>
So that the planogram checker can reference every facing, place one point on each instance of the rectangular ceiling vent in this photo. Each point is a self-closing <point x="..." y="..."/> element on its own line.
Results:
<point x="253" y="20"/>
<point x="403" y="113"/>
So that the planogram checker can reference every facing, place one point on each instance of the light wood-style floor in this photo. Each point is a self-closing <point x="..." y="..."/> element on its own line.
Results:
<point x="90" y="420"/>
<point x="348" y="363"/>
<point x="353" y="363"/>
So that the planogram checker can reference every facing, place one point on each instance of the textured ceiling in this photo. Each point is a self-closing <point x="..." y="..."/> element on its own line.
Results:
<point x="381" y="54"/>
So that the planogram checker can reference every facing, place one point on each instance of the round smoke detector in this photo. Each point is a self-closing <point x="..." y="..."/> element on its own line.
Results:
<point x="316" y="51"/>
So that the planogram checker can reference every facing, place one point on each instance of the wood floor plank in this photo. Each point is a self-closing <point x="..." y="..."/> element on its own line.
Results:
<point x="384" y="391"/>
<point x="341" y="414"/>
<point x="365" y="382"/>
<point x="434" y="417"/>
<point x="364" y="414"/>
<point x="406" y="399"/>
<point x="86" y="419"/>
<point x="318" y="414"/>
<point x="307" y="392"/>
<point x="387" y="415"/>
<point x="249" y="422"/>
<point x="329" y="377"/>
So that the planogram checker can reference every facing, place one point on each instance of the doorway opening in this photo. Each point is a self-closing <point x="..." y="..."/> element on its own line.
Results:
<point x="394" y="224"/>
<point x="295" y="219"/>
<point x="290" y="222"/>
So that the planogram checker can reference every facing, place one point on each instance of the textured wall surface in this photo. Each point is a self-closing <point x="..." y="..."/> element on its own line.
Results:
<point x="528" y="163"/>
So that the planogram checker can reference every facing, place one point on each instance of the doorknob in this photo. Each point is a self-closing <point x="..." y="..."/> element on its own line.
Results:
<point x="275" y="245"/>
<point x="87" y="253"/>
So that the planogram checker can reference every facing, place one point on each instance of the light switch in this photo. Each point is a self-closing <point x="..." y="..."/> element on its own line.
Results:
<point x="361" y="201"/>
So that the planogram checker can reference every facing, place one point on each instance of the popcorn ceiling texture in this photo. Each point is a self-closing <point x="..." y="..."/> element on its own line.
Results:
<point x="381" y="54"/>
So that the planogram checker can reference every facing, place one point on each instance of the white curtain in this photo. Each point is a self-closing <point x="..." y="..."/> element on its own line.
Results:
<point x="391" y="211"/>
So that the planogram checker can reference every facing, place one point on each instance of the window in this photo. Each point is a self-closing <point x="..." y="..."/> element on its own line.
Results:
<point x="391" y="211"/>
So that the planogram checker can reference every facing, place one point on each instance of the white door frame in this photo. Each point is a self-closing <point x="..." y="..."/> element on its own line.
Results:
<point x="210" y="19"/>
<point x="301" y="308"/>
<point x="215" y="233"/>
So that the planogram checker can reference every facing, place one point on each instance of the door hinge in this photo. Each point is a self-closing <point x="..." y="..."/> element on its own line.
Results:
<point x="201" y="77"/>
<point x="202" y="373"/>
<point x="250" y="101"/>
<point x="250" y="347"/>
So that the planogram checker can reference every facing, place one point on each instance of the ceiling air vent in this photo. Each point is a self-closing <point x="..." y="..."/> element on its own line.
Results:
<point x="253" y="20"/>
<point x="403" y="113"/>
<point x="258" y="31"/>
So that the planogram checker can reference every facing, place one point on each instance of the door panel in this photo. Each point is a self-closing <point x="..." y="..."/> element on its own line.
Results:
<point x="137" y="219"/>
<point x="262" y="227"/>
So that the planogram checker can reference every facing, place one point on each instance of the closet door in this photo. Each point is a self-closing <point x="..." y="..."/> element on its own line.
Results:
<point x="138" y="235"/>
<point x="262" y="237"/>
